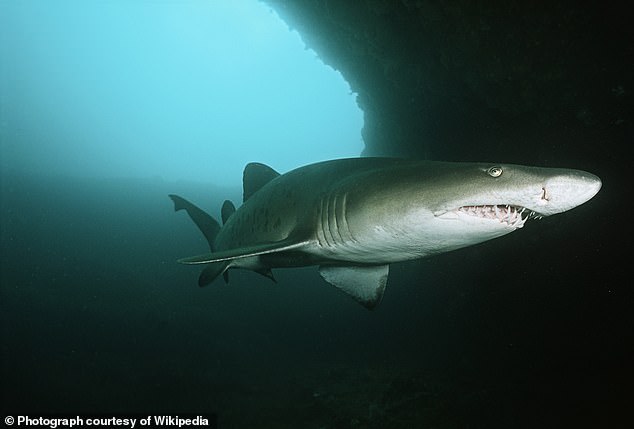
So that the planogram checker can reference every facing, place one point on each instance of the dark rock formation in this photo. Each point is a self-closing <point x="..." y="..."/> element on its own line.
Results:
<point x="544" y="315"/>
<point x="465" y="80"/>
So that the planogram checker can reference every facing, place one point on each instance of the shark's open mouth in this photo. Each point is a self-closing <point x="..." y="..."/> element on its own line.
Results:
<point x="511" y="215"/>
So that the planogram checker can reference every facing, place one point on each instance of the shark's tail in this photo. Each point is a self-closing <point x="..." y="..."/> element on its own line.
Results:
<point x="219" y="262"/>
<point x="207" y="224"/>
<point x="209" y="227"/>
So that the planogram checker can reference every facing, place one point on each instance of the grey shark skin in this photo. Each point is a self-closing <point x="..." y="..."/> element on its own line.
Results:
<point x="354" y="217"/>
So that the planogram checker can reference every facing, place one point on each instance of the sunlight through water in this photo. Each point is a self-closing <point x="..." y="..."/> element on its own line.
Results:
<point x="188" y="90"/>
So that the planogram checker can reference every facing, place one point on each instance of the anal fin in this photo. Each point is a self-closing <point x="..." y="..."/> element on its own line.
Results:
<point x="365" y="284"/>
<point x="212" y="271"/>
<point x="266" y="272"/>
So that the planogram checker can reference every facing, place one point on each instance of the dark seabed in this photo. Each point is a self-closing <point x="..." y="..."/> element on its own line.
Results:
<point x="529" y="330"/>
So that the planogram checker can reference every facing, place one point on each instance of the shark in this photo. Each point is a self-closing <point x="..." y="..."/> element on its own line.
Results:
<point x="354" y="217"/>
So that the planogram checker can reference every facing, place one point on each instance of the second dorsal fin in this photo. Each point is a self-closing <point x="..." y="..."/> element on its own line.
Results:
<point x="227" y="210"/>
<point x="255" y="176"/>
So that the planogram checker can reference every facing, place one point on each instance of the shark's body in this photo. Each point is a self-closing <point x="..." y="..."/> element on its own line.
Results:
<point x="354" y="217"/>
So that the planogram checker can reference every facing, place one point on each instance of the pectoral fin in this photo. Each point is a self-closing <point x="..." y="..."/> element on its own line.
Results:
<point x="365" y="284"/>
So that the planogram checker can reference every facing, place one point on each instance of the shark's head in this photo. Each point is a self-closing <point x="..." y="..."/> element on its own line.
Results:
<point x="511" y="194"/>
<point x="434" y="207"/>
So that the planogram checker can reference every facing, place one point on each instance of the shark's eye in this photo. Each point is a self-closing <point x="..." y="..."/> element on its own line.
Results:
<point x="495" y="171"/>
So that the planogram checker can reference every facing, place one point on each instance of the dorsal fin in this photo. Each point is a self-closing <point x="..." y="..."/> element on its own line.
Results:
<point x="255" y="176"/>
<point x="227" y="210"/>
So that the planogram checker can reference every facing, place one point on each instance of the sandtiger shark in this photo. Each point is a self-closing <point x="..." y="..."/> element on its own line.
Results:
<point x="354" y="217"/>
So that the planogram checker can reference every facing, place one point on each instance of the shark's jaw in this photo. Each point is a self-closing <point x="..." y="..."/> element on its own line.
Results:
<point x="507" y="215"/>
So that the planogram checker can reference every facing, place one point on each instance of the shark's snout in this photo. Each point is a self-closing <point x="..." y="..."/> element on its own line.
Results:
<point x="567" y="191"/>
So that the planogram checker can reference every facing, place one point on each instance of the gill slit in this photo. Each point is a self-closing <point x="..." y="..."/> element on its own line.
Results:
<point x="344" y="228"/>
<point x="333" y="228"/>
<point x="322" y="227"/>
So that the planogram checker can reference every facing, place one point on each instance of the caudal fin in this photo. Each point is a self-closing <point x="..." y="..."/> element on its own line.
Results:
<point x="207" y="224"/>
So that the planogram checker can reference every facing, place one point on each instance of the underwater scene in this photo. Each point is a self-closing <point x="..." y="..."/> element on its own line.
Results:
<point x="263" y="236"/>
